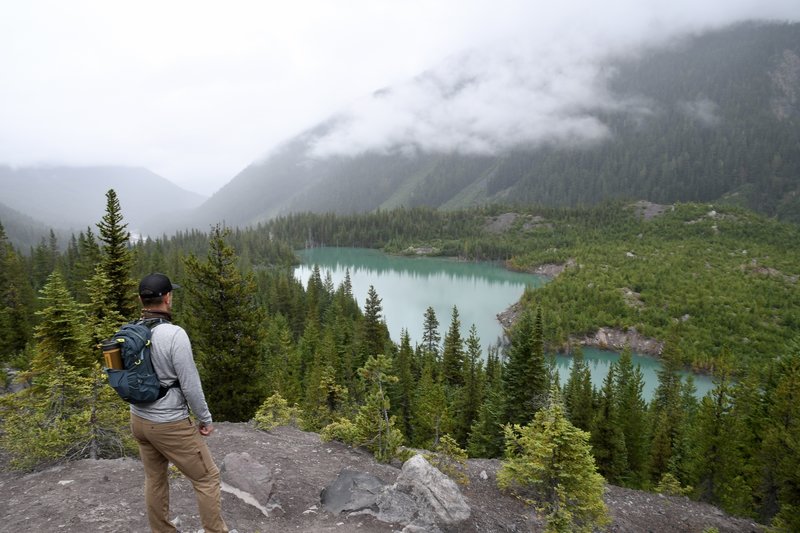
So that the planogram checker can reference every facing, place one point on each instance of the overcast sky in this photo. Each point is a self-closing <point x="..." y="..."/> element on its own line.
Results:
<point x="197" y="90"/>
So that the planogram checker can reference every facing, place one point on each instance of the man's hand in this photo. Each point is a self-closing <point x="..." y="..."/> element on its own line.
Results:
<point x="206" y="429"/>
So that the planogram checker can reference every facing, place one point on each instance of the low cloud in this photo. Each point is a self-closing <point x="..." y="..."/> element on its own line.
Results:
<point x="485" y="102"/>
<point x="703" y="110"/>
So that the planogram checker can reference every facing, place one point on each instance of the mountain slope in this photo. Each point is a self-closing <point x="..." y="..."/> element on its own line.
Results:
<point x="711" y="117"/>
<point x="72" y="198"/>
<point x="23" y="232"/>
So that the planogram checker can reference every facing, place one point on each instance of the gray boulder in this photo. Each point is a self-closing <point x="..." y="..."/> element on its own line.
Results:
<point x="249" y="480"/>
<point x="422" y="498"/>
<point x="352" y="491"/>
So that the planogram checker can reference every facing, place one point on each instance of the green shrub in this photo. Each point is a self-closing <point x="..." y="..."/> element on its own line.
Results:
<point x="450" y="459"/>
<point x="274" y="412"/>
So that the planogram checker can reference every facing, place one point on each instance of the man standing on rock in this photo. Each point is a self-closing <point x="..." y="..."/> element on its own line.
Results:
<point x="163" y="429"/>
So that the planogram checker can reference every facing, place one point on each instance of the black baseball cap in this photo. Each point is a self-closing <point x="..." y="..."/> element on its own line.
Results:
<point x="155" y="285"/>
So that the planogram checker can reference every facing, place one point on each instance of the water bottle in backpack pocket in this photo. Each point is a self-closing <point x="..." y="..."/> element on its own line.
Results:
<point x="131" y="373"/>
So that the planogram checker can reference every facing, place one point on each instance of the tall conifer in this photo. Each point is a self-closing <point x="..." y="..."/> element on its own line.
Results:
<point x="453" y="352"/>
<point x="718" y="463"/>
<point x="525" y="376"/>
<point x="608" y="439"/>
<point x="633" y="417"/>
<point x="781" y="445"/>
<point x="430" y="332"/>
<point x="226" y="327"/>
<point x="374" y="332"/>
<point x="116" y="259"/>
<point x="403" y="390"/>
<point x="16" y="301"/>
<point x="470" y="395"/>
<point x="579" y="393"/>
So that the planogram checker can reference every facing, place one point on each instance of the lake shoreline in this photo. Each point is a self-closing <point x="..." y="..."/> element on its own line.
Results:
<point x="603" y="339"/>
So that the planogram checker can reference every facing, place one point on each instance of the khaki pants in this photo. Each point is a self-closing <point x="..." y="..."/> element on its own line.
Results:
<point x="181" y="444"/>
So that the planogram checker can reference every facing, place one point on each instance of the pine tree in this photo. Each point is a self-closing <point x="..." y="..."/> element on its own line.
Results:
<point x="718" y="463"/>
<point x="374" y="332"/>
<point x="579" y="393"/>
<point x="665" y="417"/>
<point x="453" y="352"/>
<point x="432" y="416"/>
<point x="403" y="390"/>
<point x="632" y="410"/>
<point x="61" y="330"/>
<point x="225" y="324"/>
<point x="44" y="258"/>
<point x="105" y="319"/>
<point x="282" y="361"/>
<point x="486" y="434"/>
<point x="469" y="397"/>
<point x="16" y="301"/>
<point x="376" y="428"/>
<point x="68" y="412"/>
<point x="608" y="439"/>
<point x="430" y="333"/>
<point x="116" y="259"/>
<point x="86" y="263"/>
<point x="525" y="376"/>
<point x="549" y="464"/>
<point x="781" y="445"/>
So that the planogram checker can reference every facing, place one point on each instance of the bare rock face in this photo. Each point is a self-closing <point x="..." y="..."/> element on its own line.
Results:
<point x="422" y="498"/>
<point x="612" y="339"/>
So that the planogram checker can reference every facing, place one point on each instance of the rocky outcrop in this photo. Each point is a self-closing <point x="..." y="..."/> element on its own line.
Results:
<point x="648" y="210"/>
<point x="617" y="340"/>
<point x="423" y="498"/>
<point x="506" y="221"/>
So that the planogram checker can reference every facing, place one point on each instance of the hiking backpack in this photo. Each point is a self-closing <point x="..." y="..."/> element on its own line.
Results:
<point x="136" y="382"/>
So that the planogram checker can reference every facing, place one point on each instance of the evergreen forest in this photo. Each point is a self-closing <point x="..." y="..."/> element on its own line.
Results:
<point x="718" y="285"/>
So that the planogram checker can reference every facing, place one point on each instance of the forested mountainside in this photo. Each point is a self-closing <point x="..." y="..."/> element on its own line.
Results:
<point x="23" y="231"/>
<point x="711" y="117"/>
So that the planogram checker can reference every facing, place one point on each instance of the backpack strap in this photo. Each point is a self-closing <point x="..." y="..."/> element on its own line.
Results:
<point x="152" y="323"/>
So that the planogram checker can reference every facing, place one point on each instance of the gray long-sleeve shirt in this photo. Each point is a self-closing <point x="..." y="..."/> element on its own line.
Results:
<point x="171" y="353"/>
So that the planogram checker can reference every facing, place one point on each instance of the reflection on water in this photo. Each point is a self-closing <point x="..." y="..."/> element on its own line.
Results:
<point x="409" y="285"/>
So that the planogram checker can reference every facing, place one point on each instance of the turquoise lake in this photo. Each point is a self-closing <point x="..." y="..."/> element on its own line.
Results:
<point x="407" y="286"/>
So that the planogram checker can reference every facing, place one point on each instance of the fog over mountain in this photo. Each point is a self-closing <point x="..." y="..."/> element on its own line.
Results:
<point x="546" y="85"/>
<point x="71" y="198"/>
<point x="485" y="102"/>
<point x="710" y="116"/>
<point x="196" y="92"/>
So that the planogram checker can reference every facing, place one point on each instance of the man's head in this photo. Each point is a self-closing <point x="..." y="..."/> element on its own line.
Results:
<point x="156" y="289"/>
